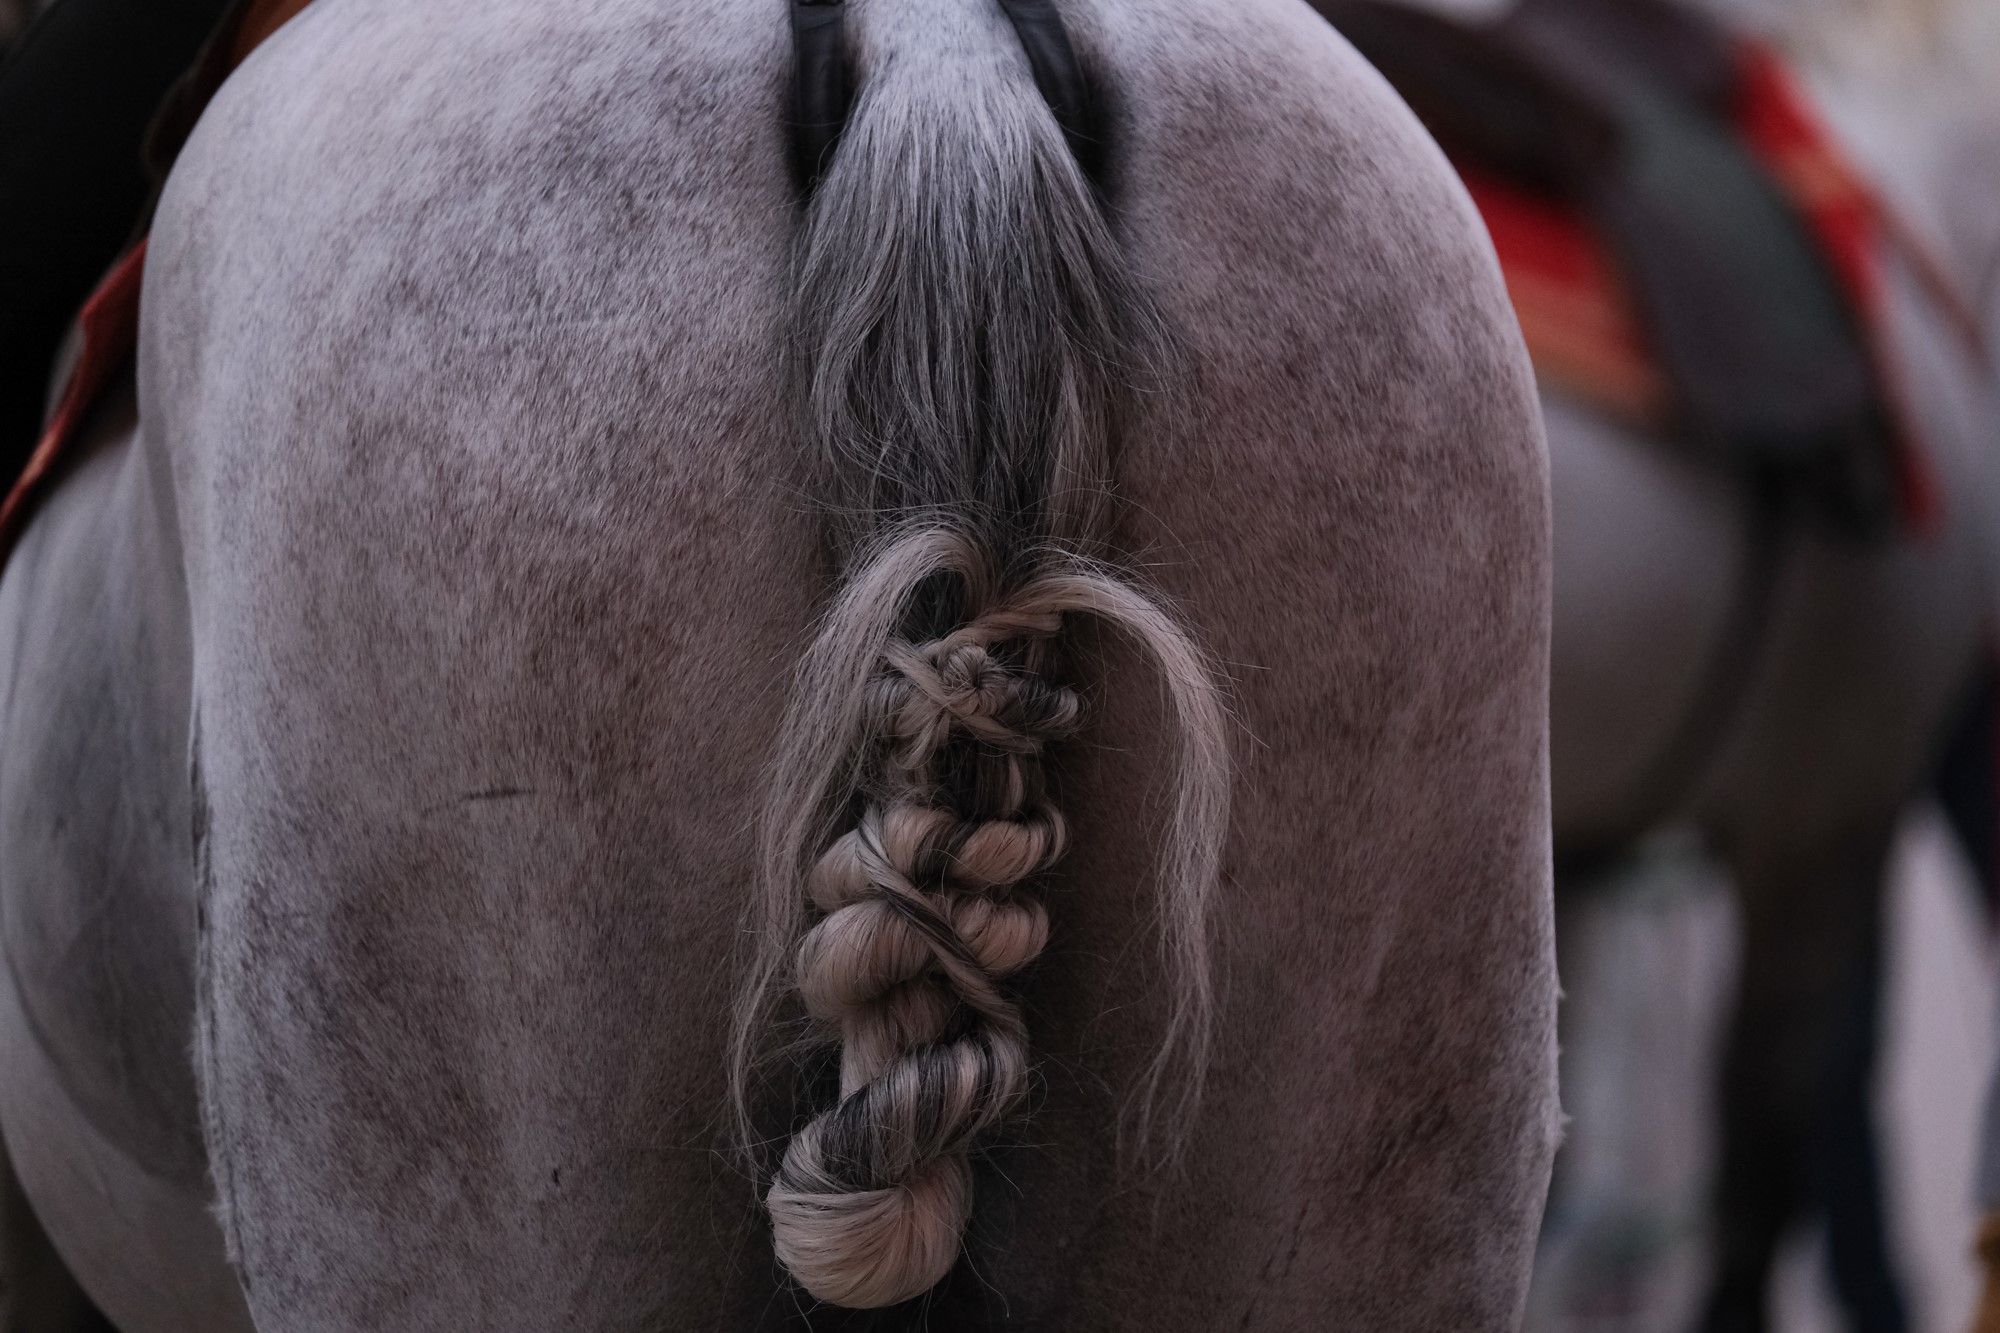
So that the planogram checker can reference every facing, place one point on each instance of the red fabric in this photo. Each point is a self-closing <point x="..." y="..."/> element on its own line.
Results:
<point x="1585" y="333"/>
<point x="262" y="19"/>
<point x="109" y="324"/>
<point x="1581" y="327"/>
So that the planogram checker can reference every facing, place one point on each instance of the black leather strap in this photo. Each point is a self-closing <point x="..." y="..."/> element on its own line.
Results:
<point x="1058" y="75"/>
<point x="822" y="91"/>
<point x="821" y="94"/>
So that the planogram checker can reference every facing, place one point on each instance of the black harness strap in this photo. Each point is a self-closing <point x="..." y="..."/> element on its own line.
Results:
<point x="1059" y="76"/>
<point x="823" y="94"/>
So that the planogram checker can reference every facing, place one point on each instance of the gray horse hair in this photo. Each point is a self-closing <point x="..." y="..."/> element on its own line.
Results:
<point x="965" y="334"/>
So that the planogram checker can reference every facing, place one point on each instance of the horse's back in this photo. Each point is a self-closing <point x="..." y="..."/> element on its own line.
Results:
<point x="465" y="327"/>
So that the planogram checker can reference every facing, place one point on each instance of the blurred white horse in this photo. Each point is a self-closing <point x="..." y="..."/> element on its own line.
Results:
<point x="1816" y="675"/>
<point x="1914" y="85"/>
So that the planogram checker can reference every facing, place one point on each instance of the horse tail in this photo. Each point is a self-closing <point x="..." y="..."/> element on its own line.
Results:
<point x="966" y="335"/>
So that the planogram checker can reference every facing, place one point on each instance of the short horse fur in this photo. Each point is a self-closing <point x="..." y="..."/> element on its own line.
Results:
<point x="432" y="628"/>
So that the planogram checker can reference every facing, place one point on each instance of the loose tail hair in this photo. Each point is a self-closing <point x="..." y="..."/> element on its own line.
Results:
<point x="965" y="337"/>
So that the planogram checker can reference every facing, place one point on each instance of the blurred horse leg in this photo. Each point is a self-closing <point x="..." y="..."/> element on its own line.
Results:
<point x="1965" y="785"/>
<point x="1871" y="649"/>
<point x="1846" y="1160"/>
<point x="1809" y="918"/>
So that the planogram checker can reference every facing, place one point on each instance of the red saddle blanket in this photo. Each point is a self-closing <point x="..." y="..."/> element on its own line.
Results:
<point x="1684" y="241"/>
<point x="1586" y="333"/>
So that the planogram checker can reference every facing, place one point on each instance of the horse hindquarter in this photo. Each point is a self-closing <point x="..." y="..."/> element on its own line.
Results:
<point x="498" y="567"/>
<point x="97" y="911"/>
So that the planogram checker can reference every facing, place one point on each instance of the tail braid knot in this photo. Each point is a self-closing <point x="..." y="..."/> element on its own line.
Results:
<point x="923" y="921"/>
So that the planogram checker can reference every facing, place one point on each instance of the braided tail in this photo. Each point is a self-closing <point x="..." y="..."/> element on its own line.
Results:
<point x="963" y="320"/>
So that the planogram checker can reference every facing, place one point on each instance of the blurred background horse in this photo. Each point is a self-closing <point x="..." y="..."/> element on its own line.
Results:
<point x="1773" y="441"/>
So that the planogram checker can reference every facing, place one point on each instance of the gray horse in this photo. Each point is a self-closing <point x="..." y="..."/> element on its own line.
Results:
<point x="405" y="700"/>
<point x="1725" y="660"/>
<point x="1787" y="691"/>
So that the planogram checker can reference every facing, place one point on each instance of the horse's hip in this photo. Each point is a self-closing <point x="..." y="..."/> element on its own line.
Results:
<point x="1708" y="647"/>
<point x="503" y="590"/>
<point x="97" y="915"/>
<point x="1651" y="550"/>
